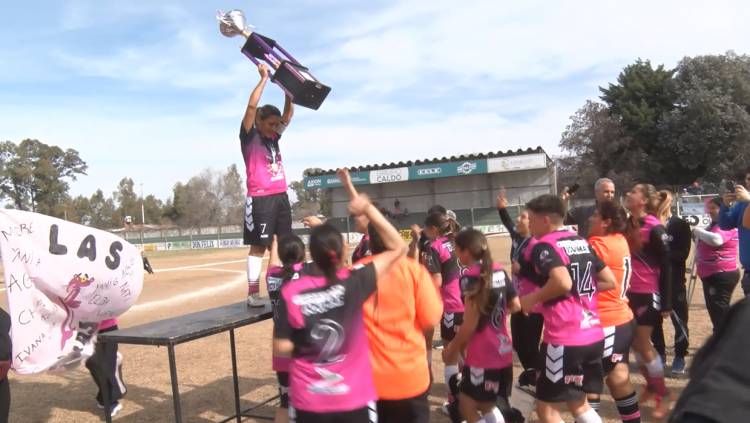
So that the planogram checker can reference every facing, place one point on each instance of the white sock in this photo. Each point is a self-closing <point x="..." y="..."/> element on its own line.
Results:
<point x="494" y="416"/>
<point x="254" y="266"/>
<point x="589" y="417"/>
<point x="655" y="368"/>
<point x="450" y="371"/>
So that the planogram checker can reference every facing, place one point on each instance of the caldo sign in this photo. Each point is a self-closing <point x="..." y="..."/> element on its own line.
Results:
<point x="385" y="176"/>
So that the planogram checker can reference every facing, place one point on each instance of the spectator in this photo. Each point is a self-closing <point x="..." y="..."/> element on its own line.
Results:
<point x="604" y="190"/>
<point x="730" y="217"/>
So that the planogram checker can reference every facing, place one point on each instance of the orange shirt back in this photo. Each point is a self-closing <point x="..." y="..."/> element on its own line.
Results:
<point x="396" y="315"/>
<point x="613" y="304"/>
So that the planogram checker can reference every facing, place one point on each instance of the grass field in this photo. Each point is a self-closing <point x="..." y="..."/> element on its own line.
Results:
<point x="189" y="281"/>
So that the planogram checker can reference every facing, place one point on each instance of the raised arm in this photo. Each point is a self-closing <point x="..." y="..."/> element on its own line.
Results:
<point x="502" y="210"/>
<point x="395" y="247"/>
<point x="252" y="105"/>
<point x="288" y="113"/>
<point x="346" y="179"/>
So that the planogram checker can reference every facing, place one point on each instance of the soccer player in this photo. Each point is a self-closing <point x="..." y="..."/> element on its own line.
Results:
<point x="650" y="294"/>
<point x="606" y="229"/>
<point x="267" y="208"/>
<point x="488" y="369"/>
<point x="569" y="274"/>
<point x="331" y="375"/>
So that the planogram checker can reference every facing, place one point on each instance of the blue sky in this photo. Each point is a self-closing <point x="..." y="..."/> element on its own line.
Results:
<point x="152" y="91"/>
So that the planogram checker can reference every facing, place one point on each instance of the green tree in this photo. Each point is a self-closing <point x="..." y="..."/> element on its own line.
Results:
<point x="35" y="176"/>
<point x="104" y="214"/>
<point x="639" y="99"/>
<point x="310" y="201"/>
<point x="708" y="131"/>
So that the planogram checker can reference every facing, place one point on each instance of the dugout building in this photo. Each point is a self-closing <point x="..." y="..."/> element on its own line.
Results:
<point x="466" y="184"/>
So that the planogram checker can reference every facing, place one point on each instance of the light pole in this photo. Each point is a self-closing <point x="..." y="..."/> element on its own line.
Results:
<point x="143" y="215"/>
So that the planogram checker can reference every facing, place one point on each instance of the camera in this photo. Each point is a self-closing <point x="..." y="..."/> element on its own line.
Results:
<point x="730" y="186"/>
<point x="573" y="188"/>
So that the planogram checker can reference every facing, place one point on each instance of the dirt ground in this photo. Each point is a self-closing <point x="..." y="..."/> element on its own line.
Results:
<point x="204" y="366"/>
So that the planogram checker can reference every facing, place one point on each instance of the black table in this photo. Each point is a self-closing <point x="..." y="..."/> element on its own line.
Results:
<point x="177" y="330"/>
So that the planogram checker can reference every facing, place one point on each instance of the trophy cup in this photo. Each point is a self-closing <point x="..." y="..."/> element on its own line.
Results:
<point x="288" y="73"/>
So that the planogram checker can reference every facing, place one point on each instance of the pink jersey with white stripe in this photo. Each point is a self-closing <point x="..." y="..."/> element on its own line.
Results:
<point x="263" y="166"/>
<point x="646" y="272"/>
<point x="330" y="369"/>
<point x="490" y="346"/>
<point x="571" y="319"/>
<point x="712" y="260"/>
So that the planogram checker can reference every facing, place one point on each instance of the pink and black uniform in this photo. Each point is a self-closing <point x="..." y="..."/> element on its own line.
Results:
<point x="488" y="367"/>
<point x="717" y="268"/>
<point x="441" y="258"/>
<point x="267" y="208"/>
<point x="330" y="372"/>
<point x="573" y="337"/>
<point x="276" y="277"/>
<point x="362" y="250"/>
<point x="650" y="290"/>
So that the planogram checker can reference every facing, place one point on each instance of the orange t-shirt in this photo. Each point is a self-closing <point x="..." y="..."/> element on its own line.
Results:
<point x="396" y="315"/>
<point x="613" y="304"/>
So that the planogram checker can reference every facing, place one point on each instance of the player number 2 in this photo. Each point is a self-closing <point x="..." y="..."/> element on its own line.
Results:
<point x="330" y="335"/>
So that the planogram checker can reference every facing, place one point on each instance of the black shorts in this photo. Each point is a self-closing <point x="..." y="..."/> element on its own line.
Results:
<point x="265" y="217"/>
<point x="486" y="385"/>
<point x="570" y="372"/>
<point x="449" y="325"/>
<point x="283" y="378"/>
<point x="415" y="410"/>
<point x="617" y="341"/>
<point x="368" y="414"/>
<point x="646" y="307"/>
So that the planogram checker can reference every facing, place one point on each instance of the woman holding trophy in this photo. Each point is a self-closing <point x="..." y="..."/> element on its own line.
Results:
<point x="267" y="209"/>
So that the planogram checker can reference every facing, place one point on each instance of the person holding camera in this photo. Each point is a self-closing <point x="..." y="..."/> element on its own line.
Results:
<point x="604" y="190"/>
<point x="731" y="214"/>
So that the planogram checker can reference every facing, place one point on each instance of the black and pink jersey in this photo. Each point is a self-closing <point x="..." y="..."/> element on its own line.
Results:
<point x="275" y="279"/>
<point x="263" y="166"/>
<point x="330" y="370"/>
<point x="651" y="265"/>
<point x="490" y="346"/>
<point x="573" y="318"/>
<point x="441" y="258"/>
<point x="362" y="250"/>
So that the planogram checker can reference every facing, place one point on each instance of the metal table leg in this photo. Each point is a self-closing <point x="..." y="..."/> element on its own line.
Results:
<point x="238" y="412"/>
<point x="175" y="387"/>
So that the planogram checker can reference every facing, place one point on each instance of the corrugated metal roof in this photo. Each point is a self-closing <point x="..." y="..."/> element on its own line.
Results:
<point x="318" y="172"/>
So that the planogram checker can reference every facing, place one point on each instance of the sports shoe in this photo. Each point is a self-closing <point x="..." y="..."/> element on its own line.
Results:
<point x="115" y="408"/>
<point x="253" y="300"/>
<point x="678" y="365"/>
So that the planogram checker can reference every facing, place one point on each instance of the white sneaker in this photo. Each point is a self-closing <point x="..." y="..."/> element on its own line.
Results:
<point x="116" y="407"/>
<point x="254" y="300"/>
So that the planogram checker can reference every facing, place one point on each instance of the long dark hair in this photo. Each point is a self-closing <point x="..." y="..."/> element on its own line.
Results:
<point x="445" y="225"/>
<point x="326" y="250"/>
<point x="291" y="252"/>
<point x="657" y="204"/>
<point x="613" y="211"/>
<point x="475" y="243"/>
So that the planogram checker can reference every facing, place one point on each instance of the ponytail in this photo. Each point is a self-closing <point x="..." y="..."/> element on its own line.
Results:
<point x="291" y="252"/>
<point x="447" y="225"/>
<point x="664" y="205"/>
<point x="326" y="249"/>
<point x="475" y="243"/>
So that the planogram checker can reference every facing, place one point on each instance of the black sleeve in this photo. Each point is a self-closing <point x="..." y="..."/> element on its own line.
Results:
<point x="510" y="290"/>
<point x="659" y="250"/>
<point x="282" y="329"/>
<point x="679" y="248"/>
<point x="570" y="217"/>
<point x="508" y="222"/>
<point x="432" y="260"/>
<point x="245" y="136"/>
<point x="361" y="283"/>
<point x="545" y="258"/>
<point x="5" y="345"/>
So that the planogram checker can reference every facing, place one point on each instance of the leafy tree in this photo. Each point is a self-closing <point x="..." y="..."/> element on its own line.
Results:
<point x="35" y="176"/>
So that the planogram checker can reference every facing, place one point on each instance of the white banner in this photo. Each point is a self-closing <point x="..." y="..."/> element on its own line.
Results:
<point x="58" y="274"/>
<point x="511" y="163"/>
<point x="384" y="176"/>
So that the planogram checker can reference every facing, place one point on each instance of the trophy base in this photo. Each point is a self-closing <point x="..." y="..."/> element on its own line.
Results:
<point x="301" y="86"/>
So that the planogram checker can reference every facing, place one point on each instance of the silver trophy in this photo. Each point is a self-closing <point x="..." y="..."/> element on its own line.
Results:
<point x="294" y="78"/>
